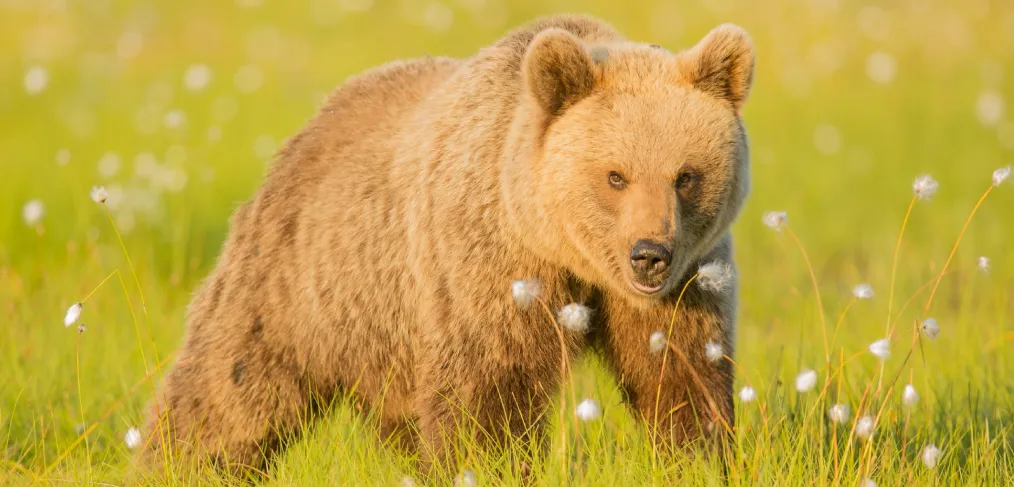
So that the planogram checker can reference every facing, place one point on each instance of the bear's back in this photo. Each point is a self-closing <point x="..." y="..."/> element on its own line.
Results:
<point x="398" y="169"/>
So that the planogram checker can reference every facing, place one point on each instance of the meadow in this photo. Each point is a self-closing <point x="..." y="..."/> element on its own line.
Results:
<point x="177" y="107"/>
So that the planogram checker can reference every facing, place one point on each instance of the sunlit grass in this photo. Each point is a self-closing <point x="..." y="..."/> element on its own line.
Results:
<point x="113" y="93"/>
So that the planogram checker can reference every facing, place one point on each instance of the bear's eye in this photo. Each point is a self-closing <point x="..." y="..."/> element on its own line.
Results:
<point x="616" y="181"/>
<point x="684" y="180"/>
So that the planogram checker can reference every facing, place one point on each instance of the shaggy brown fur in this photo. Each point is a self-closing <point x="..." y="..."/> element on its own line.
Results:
<point x="377" y="258"/>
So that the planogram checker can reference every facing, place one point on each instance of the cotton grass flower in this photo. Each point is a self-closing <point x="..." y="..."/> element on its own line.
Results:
<point x="574" y="317"/>
<point x="714" y="276"/>
<point x="863" y="291"/>
<point x="714" y="352"/>
<point x="931" y="455"/>
<point x="99" y="194"/>
<point x="909" y="397"/>
<point x="132" y="438"/>
<point x="865" y="427"/>
<point x="1001" y="175"/>
<point x="868" y="483"/>
<point x="881" y="348"/>
<point x="656" y="343"/>
<point x="33" y="212"/>
<point x="983" y="264"/>
<point x="588" y="410"/>
<point x="407" y="481"/>
<point x="35" y="80"/>
<point x="81" y="328"/>
<point x="525" y="292"/>
<point x="466" y="479"/>
<point x="197" y="77"/>
<point x="930" y="328"/>
<point x="925" y="186"/>
<point x="747" y="394"/>
<point x="775" y="220"/>
<point x="73" y="313"/>
<point x="839" y="413"/>
<point x="806" y="380"/>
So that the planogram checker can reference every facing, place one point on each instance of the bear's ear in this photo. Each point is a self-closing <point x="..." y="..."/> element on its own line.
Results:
<point x="721" y="65"/>
<point x="557" y="70"/>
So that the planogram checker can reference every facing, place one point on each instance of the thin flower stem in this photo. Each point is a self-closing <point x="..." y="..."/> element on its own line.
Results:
<point x="816" y="290"/>
<point x="665" y="352"/>
<point x="911" y="350"/>
<point x="137" y="283"/>
<point x="894" y="263"/>
<point x="911" y="299"/>
<point x="761" y="406"/>
<point x="137" y="331"/>
<point x="834" y="425"/>
<point x="566" y="377"/>
<point x="955" y="249"/>
<point x="841" y="318"/>
<point x="759" y="383"/>
<point x="96" y="289"/>
<point x="901" y="311"/>
<point x="700" y="384"/>
<point x="80" y="402"/>
<point x="866" y="452"/>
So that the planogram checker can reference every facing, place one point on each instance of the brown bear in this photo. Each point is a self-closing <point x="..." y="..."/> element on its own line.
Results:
<point x="377" y="259"/>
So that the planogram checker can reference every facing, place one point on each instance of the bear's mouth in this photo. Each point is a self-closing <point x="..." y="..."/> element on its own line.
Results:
<point x="648" y="289"/>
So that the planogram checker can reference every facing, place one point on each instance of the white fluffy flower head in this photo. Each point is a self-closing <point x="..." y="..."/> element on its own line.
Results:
<point x="133" y="438"/>
<point x="714" y="352"/>
<point x="197" y="77"/>
<point x="925" y="186"/>
<point x="868" y="483"/>
<point x="930" y="328"/>
<point x="1001" y="175"/>
<point x="881" y="348"/>
<point x="99" y="194"/>
<point x="775" y="220"/>
<point x="525" y="292"/>
<point x="73" y="313"/>
<point x="909" y="397"/>
<point x="574" y="317"/>
<point x="714" y="276"/>
<point x="863" y="291"/>
<point x="656" y="342"/>
<point x="588" y="410"/>
<point x="33" y="211"/>
<point x="747" y="394"/>
<point x="931" y="455"/>
<point x="466" y="479"/>
<point x="839" y="413"/>
<point x="806" y="380"/>
<point x="983" y="263"/>
<point x="865" y="427"/>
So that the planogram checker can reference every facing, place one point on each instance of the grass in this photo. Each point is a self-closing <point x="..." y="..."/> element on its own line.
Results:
<point x="835" y="149"/>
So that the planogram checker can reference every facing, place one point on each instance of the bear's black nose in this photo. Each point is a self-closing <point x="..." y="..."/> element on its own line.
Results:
<point x="649" y="260"/>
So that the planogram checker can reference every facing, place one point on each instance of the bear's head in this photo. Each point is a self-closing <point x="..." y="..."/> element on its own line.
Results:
<point x="633" y="159"/>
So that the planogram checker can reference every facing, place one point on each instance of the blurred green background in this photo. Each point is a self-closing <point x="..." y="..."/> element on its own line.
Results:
<point x="177" y="107"/>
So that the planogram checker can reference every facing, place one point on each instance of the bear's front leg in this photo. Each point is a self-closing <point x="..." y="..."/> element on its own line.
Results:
<point x="681" y="387"/>
<point x="486" y="378"/>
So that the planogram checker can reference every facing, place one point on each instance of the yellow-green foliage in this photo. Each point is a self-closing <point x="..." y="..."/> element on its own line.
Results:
<point x="852" y="101"/>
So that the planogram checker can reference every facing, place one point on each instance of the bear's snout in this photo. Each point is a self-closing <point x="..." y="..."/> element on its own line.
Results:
<point x="650" y="261"/>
